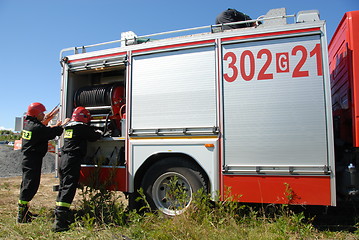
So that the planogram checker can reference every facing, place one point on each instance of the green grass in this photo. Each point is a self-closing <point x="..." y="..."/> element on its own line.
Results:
<point x="190" y="225"/>
<point x="101" y="214"/>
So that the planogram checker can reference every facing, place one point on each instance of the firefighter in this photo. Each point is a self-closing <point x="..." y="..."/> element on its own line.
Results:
<point x="232" y="15"/>
<point x="35" y="137"/>
<point x="77" y="133"/>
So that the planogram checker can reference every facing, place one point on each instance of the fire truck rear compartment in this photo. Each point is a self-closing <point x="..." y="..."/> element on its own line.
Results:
<point x="102" y="92"/>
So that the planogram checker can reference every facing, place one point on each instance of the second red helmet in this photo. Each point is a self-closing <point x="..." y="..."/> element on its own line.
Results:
<point x="81" y="114"/>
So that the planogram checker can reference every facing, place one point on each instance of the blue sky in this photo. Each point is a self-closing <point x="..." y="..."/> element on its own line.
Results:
<point x="34" y="32"/>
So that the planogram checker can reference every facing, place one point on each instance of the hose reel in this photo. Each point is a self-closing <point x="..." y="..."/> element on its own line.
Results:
<point x="104" y="103"/>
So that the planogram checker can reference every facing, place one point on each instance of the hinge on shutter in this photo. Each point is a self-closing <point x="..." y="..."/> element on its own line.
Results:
<point x="326" y="169"/>
<point x="215" y="129"/>
<point x="125" y="61"/>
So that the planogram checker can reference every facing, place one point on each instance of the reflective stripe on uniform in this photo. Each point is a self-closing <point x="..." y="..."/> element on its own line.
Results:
<point x="23" y="202"/>
<point x="63" y="204"/>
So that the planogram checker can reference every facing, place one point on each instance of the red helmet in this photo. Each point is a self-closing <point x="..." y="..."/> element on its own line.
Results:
<point x="34" y="109"/>
<point x="81" y="114"/>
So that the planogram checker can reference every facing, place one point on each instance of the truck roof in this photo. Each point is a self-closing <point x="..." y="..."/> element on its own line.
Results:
<point x="273" y="18"/>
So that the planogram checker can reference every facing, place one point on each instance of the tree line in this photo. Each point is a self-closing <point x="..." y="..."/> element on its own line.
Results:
<point x="8" y="135"/>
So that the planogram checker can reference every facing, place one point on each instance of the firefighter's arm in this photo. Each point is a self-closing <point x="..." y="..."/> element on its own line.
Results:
<point x="48" y="133"/>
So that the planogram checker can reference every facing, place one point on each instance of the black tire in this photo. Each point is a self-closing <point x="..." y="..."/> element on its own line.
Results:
<point x="169" y="185"/>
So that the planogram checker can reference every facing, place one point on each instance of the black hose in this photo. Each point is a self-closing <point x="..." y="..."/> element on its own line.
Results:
<point x="94" y="96"/>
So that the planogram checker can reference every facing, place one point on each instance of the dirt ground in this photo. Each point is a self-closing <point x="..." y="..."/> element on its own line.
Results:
<point x="45" y="197"/>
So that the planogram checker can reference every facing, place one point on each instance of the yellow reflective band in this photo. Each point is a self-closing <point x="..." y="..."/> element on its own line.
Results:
<point x="26" y="134"/>
<point x="23" y="202"/>
<point x="68" y="133"/>
<point x="63" y="204"/>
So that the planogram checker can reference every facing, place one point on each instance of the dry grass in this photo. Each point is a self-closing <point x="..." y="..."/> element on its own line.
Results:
<point x="9" y="193"/>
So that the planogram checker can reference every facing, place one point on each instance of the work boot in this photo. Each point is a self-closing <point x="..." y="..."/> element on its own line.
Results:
<point x="24" y="215"/>
<point x="63" y="219"/>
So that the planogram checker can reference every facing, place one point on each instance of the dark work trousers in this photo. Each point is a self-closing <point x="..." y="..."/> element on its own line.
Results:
<point x="69" y="173"/>
<point x="31" y="168"/>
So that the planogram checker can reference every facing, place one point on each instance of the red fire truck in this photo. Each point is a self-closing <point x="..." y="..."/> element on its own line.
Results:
<point x="344" y="74"/>
<point x="246" y="111"/>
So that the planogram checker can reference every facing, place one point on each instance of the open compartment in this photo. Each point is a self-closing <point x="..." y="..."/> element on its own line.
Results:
<point x="102" y="92"/>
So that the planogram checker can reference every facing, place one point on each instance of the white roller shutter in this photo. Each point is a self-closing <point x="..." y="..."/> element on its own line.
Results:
<point x="174" y="89"/>
<point x="278" y="121"/>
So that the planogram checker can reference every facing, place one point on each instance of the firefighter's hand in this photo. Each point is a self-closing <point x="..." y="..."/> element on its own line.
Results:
<point x="65" y="121"/>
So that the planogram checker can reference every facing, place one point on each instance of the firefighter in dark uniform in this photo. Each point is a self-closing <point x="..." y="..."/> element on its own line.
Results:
<point x="232" y="15"/>
<point x="35" y="137"/>
<point x="77" y="133"/>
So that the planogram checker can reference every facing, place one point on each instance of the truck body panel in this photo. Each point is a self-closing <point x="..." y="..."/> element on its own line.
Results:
<point x="207" y="157"/>
<point x="344" y="57"/>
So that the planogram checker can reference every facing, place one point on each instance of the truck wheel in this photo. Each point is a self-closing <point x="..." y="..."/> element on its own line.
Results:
<point x="170" y="185"/>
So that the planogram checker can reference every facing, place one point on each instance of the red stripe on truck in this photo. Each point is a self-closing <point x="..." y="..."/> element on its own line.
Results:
<point x="270" y="34"/>
<point x="96" y="57"/>
<point x="174" y="46"/>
